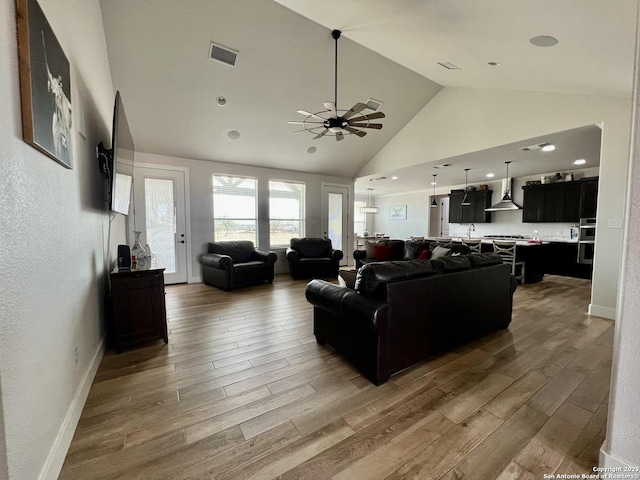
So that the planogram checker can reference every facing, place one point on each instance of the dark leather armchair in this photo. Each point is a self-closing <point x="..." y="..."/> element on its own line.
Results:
<point x="235" y="264"/>
<point x="313" y="258"/>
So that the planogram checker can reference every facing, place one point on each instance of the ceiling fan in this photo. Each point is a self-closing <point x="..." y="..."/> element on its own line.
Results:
<point x="334" y="122"/>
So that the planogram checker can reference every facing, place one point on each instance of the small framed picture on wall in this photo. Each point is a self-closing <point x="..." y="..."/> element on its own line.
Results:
<point x="398" y="212"/>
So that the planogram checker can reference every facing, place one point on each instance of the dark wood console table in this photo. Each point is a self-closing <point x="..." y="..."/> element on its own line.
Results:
<point x="139" y="312"/>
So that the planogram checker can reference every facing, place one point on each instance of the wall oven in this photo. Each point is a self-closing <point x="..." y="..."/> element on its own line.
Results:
<point x="586" y="240"/>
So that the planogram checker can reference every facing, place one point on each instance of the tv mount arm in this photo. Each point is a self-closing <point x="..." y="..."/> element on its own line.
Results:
<point x="105" y="159"/>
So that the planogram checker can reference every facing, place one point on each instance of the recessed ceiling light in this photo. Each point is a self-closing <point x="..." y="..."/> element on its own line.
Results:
<point x="394" y="178"/>
<point x="580" y="161"/>
<point x="494" y="64"/>
<point x="311" y="149"/>
<point x="491" y="175"/>
<point x="221" y="101"/>
<point x="233" y="135"/>
<point x="548" y="148"/>
<point x="543" y="41"/>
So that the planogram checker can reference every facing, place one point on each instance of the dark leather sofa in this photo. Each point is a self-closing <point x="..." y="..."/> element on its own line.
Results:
<point x="313" y="258"/>
<point x="403" y="312"/>
<point x="401" y="250"/>
<point x="234" y="264"/>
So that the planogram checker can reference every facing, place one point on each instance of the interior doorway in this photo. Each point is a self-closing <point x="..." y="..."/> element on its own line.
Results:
<point x="439" y="217"/>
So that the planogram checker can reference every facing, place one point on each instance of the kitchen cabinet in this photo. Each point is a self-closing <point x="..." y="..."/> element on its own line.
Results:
<point x="473" y="213"/>
<point x="138" y="308"/>
<point x="554" y="202"/>
<point x="588" y="197"/>
<point x="561" y="258"/>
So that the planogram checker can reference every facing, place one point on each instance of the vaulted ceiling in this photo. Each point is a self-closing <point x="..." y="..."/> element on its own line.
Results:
<point x="389" y="51"/>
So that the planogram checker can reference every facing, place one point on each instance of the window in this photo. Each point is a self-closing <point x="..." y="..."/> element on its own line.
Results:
<point x="286" y="211"/>
<point x="235" y="212"/>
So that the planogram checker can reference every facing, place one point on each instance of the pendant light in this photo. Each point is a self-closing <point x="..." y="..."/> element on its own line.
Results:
<point x="465" y="199"/>
<point x="434" y="203"/>
<point x="506" y="203"/>
<point x="370" y="208"/>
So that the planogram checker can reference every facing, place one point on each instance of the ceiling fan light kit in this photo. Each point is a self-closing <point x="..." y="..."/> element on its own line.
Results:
<point x="335" y="122"/>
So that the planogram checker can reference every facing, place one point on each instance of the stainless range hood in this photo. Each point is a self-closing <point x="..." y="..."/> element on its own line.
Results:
<point x="506" y="203"/>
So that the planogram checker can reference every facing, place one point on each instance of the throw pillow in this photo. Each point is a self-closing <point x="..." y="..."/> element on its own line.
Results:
<point x="424" y="254"/>
<point x="383" y="252"/>
<point x="440" y="252"/>
<point x="370" y="246"/>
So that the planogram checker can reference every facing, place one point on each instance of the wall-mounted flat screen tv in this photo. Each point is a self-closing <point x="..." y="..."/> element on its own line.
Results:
<point x="117" y="163"/>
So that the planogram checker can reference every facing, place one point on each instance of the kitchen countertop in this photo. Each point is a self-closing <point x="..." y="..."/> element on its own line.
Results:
<point x="520" y="243"/>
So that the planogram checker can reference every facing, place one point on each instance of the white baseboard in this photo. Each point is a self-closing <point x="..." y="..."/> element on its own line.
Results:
<point x="613" y="465"/>
<point x="604" y="312"/>
<point x="57" y="454"/>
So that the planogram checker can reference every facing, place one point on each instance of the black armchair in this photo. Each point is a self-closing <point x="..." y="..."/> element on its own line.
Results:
<point x="313" y="258"/>
<point x="235" y="264"/>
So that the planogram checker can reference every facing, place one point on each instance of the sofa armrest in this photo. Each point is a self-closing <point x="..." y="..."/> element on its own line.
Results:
<point x="359" y="254"/>
<point x="292" y="255"/>
<point x="336" y="255"/>
<point x="364" y="311"/>
<point x="216" y="260"/>
<point x="269" y="257"/>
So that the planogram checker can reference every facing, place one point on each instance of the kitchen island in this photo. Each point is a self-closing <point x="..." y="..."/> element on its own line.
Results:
<point x="553" y="256"/>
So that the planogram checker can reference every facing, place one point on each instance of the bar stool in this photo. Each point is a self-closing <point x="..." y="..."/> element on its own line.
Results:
<point x="507" y="251"/>
<point x="474" y="245"/>
<point x="443" y="241"/>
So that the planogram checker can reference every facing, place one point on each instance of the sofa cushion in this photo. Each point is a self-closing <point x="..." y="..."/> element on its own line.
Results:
<point x="248" y="268"/>
<point x="240" y="251"/>
<point x="449" y="264"/>
<point x="311" y="247"/>
<point x="372" y="279"/>
<point x="479" y="260"/>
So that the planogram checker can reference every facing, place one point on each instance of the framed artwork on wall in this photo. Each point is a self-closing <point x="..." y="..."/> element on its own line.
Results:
<point x="398" y="212"/>
<point x="45" y="85"/>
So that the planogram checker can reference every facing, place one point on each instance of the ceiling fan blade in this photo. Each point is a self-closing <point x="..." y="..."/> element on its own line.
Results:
<point x="377" y="126"/>
<point x="339" y="136"/>
<point x="321" y="134"/>
<point x="364" y="118"/>
<point x="303" y="123"/>
<point x="357" y="108"/>
<point x="304" y="112"/>
<point x="332" y="109"/>
<point x="359" y="133"/>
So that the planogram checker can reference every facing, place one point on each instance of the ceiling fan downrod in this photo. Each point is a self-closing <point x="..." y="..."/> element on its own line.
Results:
<point x="336" y="35"/>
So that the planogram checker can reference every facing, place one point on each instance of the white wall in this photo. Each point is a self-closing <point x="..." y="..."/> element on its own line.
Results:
<point x="622" y="445"/>
<point x="464" y="120"/>
<point x="201" y="199"/>
<point x="417" y="222"/>
<point x="52" y="232"/>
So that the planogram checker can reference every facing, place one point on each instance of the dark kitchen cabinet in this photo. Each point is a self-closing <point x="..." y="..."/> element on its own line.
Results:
<point x="561" y="258"/>
<point x="473" y="213"/>
<point x="138" y="308"/>
<point x="588" y="197"/>
<point x="555" y="202"/>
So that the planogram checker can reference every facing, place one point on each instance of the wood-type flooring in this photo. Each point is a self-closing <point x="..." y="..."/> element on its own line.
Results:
<point x="242" y="391"/>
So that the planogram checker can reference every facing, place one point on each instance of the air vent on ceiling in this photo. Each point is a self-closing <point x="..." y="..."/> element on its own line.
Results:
<point x="373" y="104"/>
<point x="533" y="147"/>
<point x="449" y="66"/>
<point x="222" y="54"/>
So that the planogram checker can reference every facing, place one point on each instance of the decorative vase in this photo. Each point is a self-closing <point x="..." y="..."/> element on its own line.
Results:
<point x="139" y="252"/>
